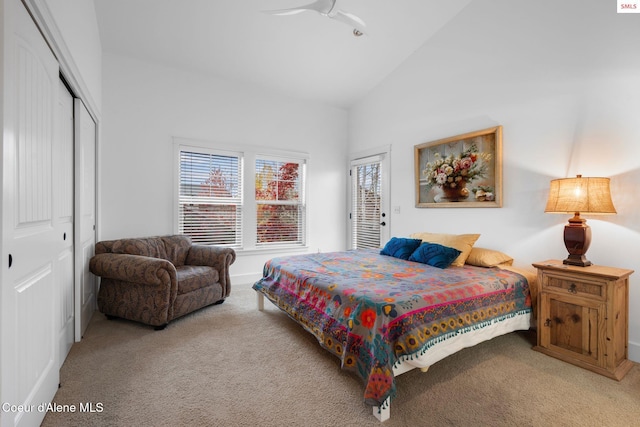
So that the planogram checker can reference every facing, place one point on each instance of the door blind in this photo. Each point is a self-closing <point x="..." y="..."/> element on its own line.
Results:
<point x="366" y="177"/>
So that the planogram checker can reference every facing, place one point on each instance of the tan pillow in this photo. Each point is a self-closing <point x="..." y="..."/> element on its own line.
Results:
<point x="462" y="242"/>
<point x="482" y="257"/>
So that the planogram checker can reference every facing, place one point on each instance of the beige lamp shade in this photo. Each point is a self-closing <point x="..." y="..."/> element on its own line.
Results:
<point x="584" y="195"/>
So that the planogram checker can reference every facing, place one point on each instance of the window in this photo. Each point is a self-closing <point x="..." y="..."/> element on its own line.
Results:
<point x="242" y="199"/>
<point x="280" y="203"/>
<point x="210" y="197"/>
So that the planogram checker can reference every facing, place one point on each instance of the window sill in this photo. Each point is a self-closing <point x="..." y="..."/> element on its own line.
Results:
<point x="272" y="250"/>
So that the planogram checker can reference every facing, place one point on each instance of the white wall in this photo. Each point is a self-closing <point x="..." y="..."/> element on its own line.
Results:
<point x="563" y="79"/>
<point x="71" y="28"/>
<point x="146" y="105"/>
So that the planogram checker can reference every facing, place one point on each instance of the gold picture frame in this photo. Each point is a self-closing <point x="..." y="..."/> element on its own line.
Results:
<point x="462" y="171"/>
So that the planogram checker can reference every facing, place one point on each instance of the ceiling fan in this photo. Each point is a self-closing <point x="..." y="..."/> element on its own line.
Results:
<point x="328" y="8"/>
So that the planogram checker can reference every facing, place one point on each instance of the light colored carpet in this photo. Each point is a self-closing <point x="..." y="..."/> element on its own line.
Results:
<point x="231" y="365"/>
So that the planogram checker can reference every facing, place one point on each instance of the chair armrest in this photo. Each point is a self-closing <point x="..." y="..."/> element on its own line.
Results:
<point x="217" y="257"/>
<point x="134" y="268"/>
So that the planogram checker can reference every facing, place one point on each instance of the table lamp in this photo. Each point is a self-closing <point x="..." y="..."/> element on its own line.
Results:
<point x="576" y="195"/>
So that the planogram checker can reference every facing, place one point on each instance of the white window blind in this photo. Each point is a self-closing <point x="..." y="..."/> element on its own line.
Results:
<point x="366" y="178"/>
<point x="280" y="202"/>
<point x="210" y="197"/>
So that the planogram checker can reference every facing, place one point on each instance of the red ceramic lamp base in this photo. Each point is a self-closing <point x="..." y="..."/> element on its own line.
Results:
<point x="577" y="238"/>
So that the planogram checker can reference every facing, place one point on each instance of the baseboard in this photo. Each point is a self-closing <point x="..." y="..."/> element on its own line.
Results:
<point x="245" y="279"/>
<point x="634" y="351"/>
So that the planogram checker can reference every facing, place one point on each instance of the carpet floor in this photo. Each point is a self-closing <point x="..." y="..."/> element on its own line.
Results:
<point x="231" y="365"/>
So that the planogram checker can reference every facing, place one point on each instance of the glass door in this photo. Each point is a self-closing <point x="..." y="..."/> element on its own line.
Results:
<point x="369" y="219"/>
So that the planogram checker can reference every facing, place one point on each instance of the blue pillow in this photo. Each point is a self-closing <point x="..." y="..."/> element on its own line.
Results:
<point x="400" y="247"/>
<point x="435" y="255"/>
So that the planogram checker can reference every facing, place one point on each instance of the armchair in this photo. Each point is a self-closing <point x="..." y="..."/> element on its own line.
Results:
<point x="154" y="280"/>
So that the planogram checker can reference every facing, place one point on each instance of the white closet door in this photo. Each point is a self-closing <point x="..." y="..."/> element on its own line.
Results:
<point x="85" y="142"/>
<point x="28" y="356"/>
<point x="63" y="221"/>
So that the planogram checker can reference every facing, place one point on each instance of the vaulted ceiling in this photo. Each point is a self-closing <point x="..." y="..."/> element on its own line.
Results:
<point x="305" y="56"/>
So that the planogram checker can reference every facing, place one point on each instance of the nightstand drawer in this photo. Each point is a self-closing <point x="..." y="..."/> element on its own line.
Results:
<point x="582" y="287"/>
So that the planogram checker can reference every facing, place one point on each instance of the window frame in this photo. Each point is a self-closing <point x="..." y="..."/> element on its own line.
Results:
<point x="248" y="155"/>
<point x="200" y="156"/>
<point x="301" y="202"/>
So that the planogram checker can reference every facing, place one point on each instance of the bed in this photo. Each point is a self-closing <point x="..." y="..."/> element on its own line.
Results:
<point x="384" y="315"/>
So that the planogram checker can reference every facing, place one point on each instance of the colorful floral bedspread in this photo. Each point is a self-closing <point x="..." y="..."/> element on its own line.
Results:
<point x="372" y="310"/>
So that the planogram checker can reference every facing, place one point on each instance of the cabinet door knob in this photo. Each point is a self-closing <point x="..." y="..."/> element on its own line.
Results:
<point x="547" y="322"/>
<point x="572" y="289"/>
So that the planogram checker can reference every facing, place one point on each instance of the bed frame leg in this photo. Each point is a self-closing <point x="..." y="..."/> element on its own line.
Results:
<point x="383" y="412"/>
<point x="260" y="301"/>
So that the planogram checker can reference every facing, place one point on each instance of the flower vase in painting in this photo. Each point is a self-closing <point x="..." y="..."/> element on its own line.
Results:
<point x="452" y="174"/>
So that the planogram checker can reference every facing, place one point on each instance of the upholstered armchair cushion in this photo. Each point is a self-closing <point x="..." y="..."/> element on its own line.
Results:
<point x="194" y="277"/>
<point x="154" y="280"/>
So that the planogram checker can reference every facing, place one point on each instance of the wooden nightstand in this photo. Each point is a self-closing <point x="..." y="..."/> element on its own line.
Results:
<point x="583" y="316"/>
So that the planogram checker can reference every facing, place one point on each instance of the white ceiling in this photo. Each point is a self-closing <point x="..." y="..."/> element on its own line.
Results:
<point x="305" y="56"/>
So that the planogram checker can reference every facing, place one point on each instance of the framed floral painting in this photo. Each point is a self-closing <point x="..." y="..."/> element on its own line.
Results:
<point x="460" y="171"/>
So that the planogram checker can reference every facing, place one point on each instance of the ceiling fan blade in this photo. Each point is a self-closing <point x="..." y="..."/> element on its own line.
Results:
<point x="327" y="8"/>
<point x="285" y="12"/>
<point x="351" y="20"/>
<point x="320" y="6"/>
